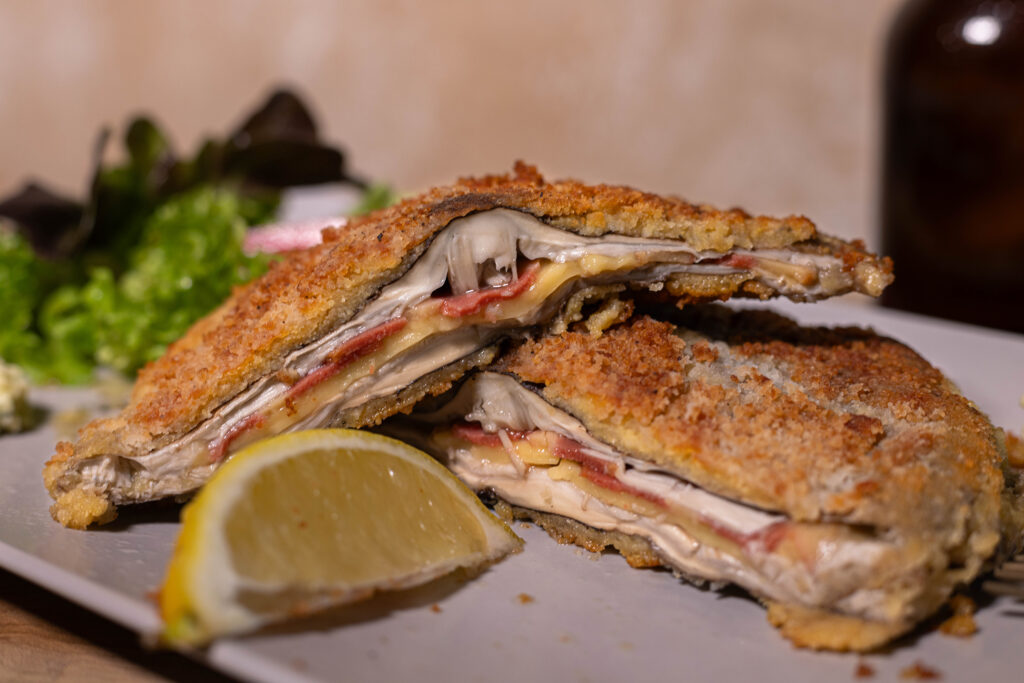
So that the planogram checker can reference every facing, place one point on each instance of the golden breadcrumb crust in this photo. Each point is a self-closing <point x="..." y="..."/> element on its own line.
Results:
<point x="313" y="291"/>
<point x="821" y="424"/>
<point x="817" y="423"/>
<point x="819" y="630"/>
<point x="76" y="508"/>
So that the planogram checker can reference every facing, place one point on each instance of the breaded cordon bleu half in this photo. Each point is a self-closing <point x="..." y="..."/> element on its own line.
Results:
<point x="832" y="473"/>
<point x="397" y="305"/>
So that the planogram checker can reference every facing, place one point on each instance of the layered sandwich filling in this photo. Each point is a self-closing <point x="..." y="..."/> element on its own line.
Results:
<point x="498" y="435"/>
<point x="480" y="276"/>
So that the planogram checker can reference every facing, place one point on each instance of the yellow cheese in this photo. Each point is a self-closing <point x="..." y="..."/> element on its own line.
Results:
<point x="425" y="321"/>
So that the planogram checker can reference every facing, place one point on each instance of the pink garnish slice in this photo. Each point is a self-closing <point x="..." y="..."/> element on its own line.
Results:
<point x="277" y="238"/>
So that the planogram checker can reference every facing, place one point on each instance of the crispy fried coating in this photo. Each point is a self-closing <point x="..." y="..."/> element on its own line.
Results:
<point x="636" y="550"/>
<point x="813" y="422"/>
<point x="312" y="292"/>
<point x="823" y="425"/>
<point x="1012" y="512"/>
<point x="819" y="630"/>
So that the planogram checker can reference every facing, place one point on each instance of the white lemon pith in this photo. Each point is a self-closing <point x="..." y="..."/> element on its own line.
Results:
<point x="311" y="519"/>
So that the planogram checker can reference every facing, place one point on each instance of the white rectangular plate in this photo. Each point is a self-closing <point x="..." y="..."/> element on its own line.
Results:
<point x="586" y="618"/>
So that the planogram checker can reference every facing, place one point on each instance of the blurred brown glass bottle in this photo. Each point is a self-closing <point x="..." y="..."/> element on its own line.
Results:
<point x="953" y="161"/>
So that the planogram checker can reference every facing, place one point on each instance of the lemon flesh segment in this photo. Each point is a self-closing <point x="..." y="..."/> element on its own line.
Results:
<point x="311" y="519"/>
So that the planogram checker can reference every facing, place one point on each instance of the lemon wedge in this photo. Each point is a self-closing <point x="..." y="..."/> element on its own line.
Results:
<point x="313" y="519"/>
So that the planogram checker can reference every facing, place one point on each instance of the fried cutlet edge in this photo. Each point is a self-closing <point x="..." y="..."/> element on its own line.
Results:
<point x="1011" y="513"/>
<point x="76" y="508"/>
<point x="804" y="627"/>
<point x="630" y="387"/>
<point x="312" y="291"/>
<point x="988" y="515"/>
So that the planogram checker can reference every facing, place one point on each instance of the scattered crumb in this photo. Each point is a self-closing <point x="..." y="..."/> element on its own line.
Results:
<point x="287" y="376"/>
<point x="962" y="604"/>
<point x="153" y="596"/>
<point x="1014" y="450"/>
<point x="525" y="525"/>
<point x="435" y="608"/>
<point x="626" y="646"/>
<point x="565" y="638"/>
<point x="920" y="672"/>
<point x="524" y="598"/>
<point x="593" y="557"/>
<point x="299" y="664"/>
<point x="961" y="624"/>
<point x="864" y="670"/>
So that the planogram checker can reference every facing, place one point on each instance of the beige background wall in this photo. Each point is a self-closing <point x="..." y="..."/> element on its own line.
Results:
<point x="768" y="104"/>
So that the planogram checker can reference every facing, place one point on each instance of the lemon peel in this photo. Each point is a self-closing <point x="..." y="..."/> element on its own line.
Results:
<point x="307" y="520"/>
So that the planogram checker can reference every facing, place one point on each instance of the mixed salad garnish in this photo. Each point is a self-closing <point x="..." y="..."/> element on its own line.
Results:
<point x="111" y="280"/>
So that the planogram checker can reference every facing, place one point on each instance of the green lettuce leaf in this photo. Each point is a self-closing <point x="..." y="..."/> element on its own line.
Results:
<point x="188" y="258"/>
